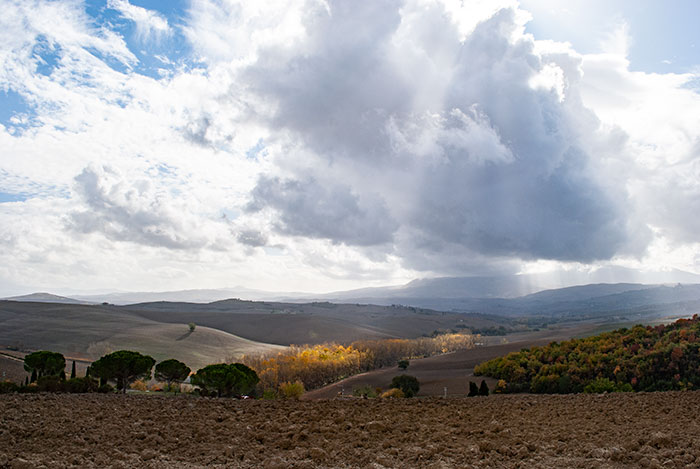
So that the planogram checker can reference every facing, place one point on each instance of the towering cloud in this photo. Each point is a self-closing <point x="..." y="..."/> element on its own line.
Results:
<point x="473" y="142"/>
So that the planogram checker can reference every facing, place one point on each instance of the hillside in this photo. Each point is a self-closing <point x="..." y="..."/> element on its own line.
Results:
<point x="91" y="331"/>
<point x="300" y="323"/>
<point x="224" y="329"/>
<point x="642" y="358"/>
<point x="43" y="297"/>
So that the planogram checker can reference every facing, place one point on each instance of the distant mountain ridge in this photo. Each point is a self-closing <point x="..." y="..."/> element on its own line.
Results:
<point x="511" y="295"/>
<point x="42" y="297"/>
<point x="187" y="296"/>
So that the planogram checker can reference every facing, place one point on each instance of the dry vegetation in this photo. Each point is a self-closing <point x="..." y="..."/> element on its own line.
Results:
<point x="319" y="365"/>
<point x="533" y="431"/>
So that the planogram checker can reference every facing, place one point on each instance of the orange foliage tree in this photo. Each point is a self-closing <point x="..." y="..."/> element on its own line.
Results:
<point x="318" y="365"/>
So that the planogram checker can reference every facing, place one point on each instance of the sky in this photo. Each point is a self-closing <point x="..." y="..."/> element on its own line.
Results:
<point x="309" y="145"/>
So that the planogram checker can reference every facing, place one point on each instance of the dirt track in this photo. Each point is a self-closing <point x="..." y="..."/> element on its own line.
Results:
<point x="619" y="430"/>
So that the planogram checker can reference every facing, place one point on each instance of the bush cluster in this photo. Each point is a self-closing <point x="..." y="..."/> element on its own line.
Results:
<point x="292" y="390"/>
<point x="642" y="358"/>
<point x="408" y="385"/>
<point x="52" y="384"/>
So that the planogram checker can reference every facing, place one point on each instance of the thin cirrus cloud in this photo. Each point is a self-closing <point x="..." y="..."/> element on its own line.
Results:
<point x="310" y="145"/>
<point x="150" y="25"/>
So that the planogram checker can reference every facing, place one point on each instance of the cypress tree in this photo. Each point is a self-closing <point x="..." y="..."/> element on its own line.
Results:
<point x="72" y="371"/>
<point x="473" y="389"/>
<point x="484" y="388"/>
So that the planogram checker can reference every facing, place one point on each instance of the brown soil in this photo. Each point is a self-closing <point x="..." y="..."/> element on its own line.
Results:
<point x="578" y="431"/>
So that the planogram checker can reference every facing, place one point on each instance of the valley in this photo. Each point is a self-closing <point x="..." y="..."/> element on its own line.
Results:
<point x="229" y="329"/>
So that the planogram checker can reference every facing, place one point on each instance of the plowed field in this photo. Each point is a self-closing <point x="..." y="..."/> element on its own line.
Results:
<point x="579" y="431"/>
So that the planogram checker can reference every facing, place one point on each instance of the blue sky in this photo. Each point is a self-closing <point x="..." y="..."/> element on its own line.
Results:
<point x="664" y="36"/>
<point x="303" y="145"/>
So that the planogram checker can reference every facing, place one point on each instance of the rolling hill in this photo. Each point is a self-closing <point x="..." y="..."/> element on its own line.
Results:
<point x="309" y="323"/>
<point x="231" y="327"/>
<point x="92" y="331"/>
<point x="42" y="297"/>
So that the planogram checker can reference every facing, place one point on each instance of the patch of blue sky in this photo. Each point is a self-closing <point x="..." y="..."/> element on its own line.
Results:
<point x="47" y="55"/>
<point x="158" y="55"/>
<point x="12" y="104"/>
<point x="230" y="214"/>
<point x="166" y="170"/>
<point x="664" y="37"/>
<point x="19" y="189"/>
<point x="6" y="197"/>
<point x="256" y="150"/>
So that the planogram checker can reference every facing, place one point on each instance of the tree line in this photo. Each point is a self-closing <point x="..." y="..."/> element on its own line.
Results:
<point x="285" y="374"/>
<point x="641" y="358"/>
<point x="318" y="365"/>
<point x="118" y="370"/>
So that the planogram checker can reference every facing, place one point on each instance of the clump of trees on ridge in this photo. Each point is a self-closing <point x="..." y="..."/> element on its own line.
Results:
<point x="642" y="358"/>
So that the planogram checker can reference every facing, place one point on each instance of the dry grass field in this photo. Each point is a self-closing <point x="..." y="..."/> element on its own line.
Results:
<point x="88" y="332"/>
<point x="310" y="323"/>
<point x="655" y="430"/>
<point x="225" y="330"/>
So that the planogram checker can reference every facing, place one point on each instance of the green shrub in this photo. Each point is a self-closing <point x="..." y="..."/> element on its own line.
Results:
<point x="403" y="364"/>
<point x="269" y="394"/>
<point x="226" y="380"/>
<point x="8" y="387"/>
<point x="601" y="385"/>
<point x="409" y="385"/>
<point x="293" y="390"/>
<point x="80" y="385"/>
<point x="49" y="384"/>
<point x="105" y="389"/>
<point x="365" y="391"/>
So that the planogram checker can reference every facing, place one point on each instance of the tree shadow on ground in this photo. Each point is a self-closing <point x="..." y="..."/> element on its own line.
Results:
<point x="185" y="335"/>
